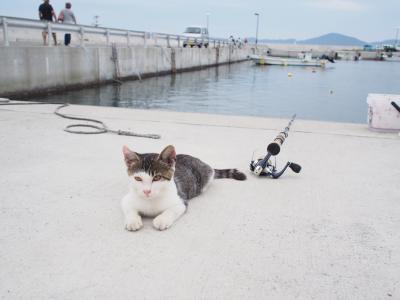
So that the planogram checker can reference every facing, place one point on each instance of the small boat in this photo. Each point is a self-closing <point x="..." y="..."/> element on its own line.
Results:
<point x="303" y="59"/>
<point x="391" y="57"/>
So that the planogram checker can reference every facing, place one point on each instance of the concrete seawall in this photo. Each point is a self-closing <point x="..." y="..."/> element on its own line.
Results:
<point x="41" y="69"/>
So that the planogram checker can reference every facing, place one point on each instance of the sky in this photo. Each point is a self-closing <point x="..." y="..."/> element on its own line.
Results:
<point x="368" y="20"/>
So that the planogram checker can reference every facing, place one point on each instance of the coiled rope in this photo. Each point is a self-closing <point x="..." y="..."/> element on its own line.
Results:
<point x="101" y="128"/>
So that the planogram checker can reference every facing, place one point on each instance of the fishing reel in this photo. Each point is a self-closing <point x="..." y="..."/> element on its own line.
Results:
<point x="264" y="166"/>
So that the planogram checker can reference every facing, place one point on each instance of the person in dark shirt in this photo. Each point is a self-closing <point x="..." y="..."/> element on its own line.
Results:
<point x="47" y="13"/>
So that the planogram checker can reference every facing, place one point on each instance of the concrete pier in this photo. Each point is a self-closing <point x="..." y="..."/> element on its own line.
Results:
<point x="330" y="232"/>
<point x="28" y="70"/>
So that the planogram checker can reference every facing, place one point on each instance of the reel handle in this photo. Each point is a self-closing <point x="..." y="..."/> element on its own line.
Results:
<point x="295" y="167"/>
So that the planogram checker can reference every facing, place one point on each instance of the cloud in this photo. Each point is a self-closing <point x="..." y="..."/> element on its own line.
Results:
<point x="338" y="5"/>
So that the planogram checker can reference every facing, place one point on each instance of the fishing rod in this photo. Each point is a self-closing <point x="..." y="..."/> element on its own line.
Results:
<point x="264" y="167"/>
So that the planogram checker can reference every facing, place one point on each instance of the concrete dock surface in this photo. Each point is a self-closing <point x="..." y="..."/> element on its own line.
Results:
<point x="330" y="232"/>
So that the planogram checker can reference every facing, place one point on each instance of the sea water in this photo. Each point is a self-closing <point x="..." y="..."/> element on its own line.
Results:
<point x="335" y="93"/>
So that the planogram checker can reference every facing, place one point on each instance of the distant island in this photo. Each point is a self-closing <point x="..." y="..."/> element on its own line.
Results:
<point x="326" y="39"/>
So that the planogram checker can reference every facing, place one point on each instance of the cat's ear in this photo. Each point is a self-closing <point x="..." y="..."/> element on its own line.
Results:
<point x="168" y="155"/>
<point x="131" y="157"/>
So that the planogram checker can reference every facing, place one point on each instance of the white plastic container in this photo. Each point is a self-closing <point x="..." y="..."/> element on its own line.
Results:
<point x="382" y="115"/>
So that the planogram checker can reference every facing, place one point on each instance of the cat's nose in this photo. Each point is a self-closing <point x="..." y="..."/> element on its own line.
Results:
<point x="147" y="192"/>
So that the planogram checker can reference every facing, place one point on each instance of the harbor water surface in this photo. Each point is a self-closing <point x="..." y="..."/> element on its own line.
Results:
<point x="335" y="93"/>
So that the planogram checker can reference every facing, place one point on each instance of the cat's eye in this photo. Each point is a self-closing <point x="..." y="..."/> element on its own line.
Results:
<point x="137" y="178"/>
<point x="157" y="178"/>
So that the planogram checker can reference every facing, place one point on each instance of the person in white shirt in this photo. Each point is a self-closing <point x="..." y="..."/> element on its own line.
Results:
<point x="67" y="16"/>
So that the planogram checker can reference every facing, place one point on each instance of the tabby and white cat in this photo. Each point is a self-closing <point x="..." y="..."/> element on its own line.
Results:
<point x="161" y="184"/>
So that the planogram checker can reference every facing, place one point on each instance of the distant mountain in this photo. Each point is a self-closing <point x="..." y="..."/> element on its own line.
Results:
<point x="326" y="39"/>
<point x="334" y="39"/>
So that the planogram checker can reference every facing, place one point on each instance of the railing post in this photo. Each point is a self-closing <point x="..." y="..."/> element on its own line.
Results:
<point x="128" y="38"/>
<point x="5" y="32"/>
<point x="155" y="38"/>
<point x="81" y="32"/>
<point x="49" y="34"/>
<point x="145" y="39"/>
<point x="107" y="36"/>
<point x="168" y="44"/>
<point x="179" y="41"/>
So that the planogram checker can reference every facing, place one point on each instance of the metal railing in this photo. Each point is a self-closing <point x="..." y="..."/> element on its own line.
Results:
<point x="130" y="37"/>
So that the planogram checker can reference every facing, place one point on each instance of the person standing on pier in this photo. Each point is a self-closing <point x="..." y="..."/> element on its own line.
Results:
<point x="46" y="13"/>
<point x="67" y="16"/>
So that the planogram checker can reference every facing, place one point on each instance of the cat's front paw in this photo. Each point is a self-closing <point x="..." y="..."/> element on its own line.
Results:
<point x="163" y="222"/>
<point x="133" y="223"/>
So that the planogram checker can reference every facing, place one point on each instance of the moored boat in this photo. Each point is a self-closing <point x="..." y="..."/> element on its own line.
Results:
<point x="301" y="60"/>
<point x="391" y="57"/>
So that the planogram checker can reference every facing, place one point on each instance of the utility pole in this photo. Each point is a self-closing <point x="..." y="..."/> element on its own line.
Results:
<point x="96" y="21"/>
<point x="207" y="22"/>
<point x="257" y="15"/>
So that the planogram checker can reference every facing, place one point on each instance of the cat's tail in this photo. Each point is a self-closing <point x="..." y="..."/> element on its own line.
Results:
<point x="229" y="173"/>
